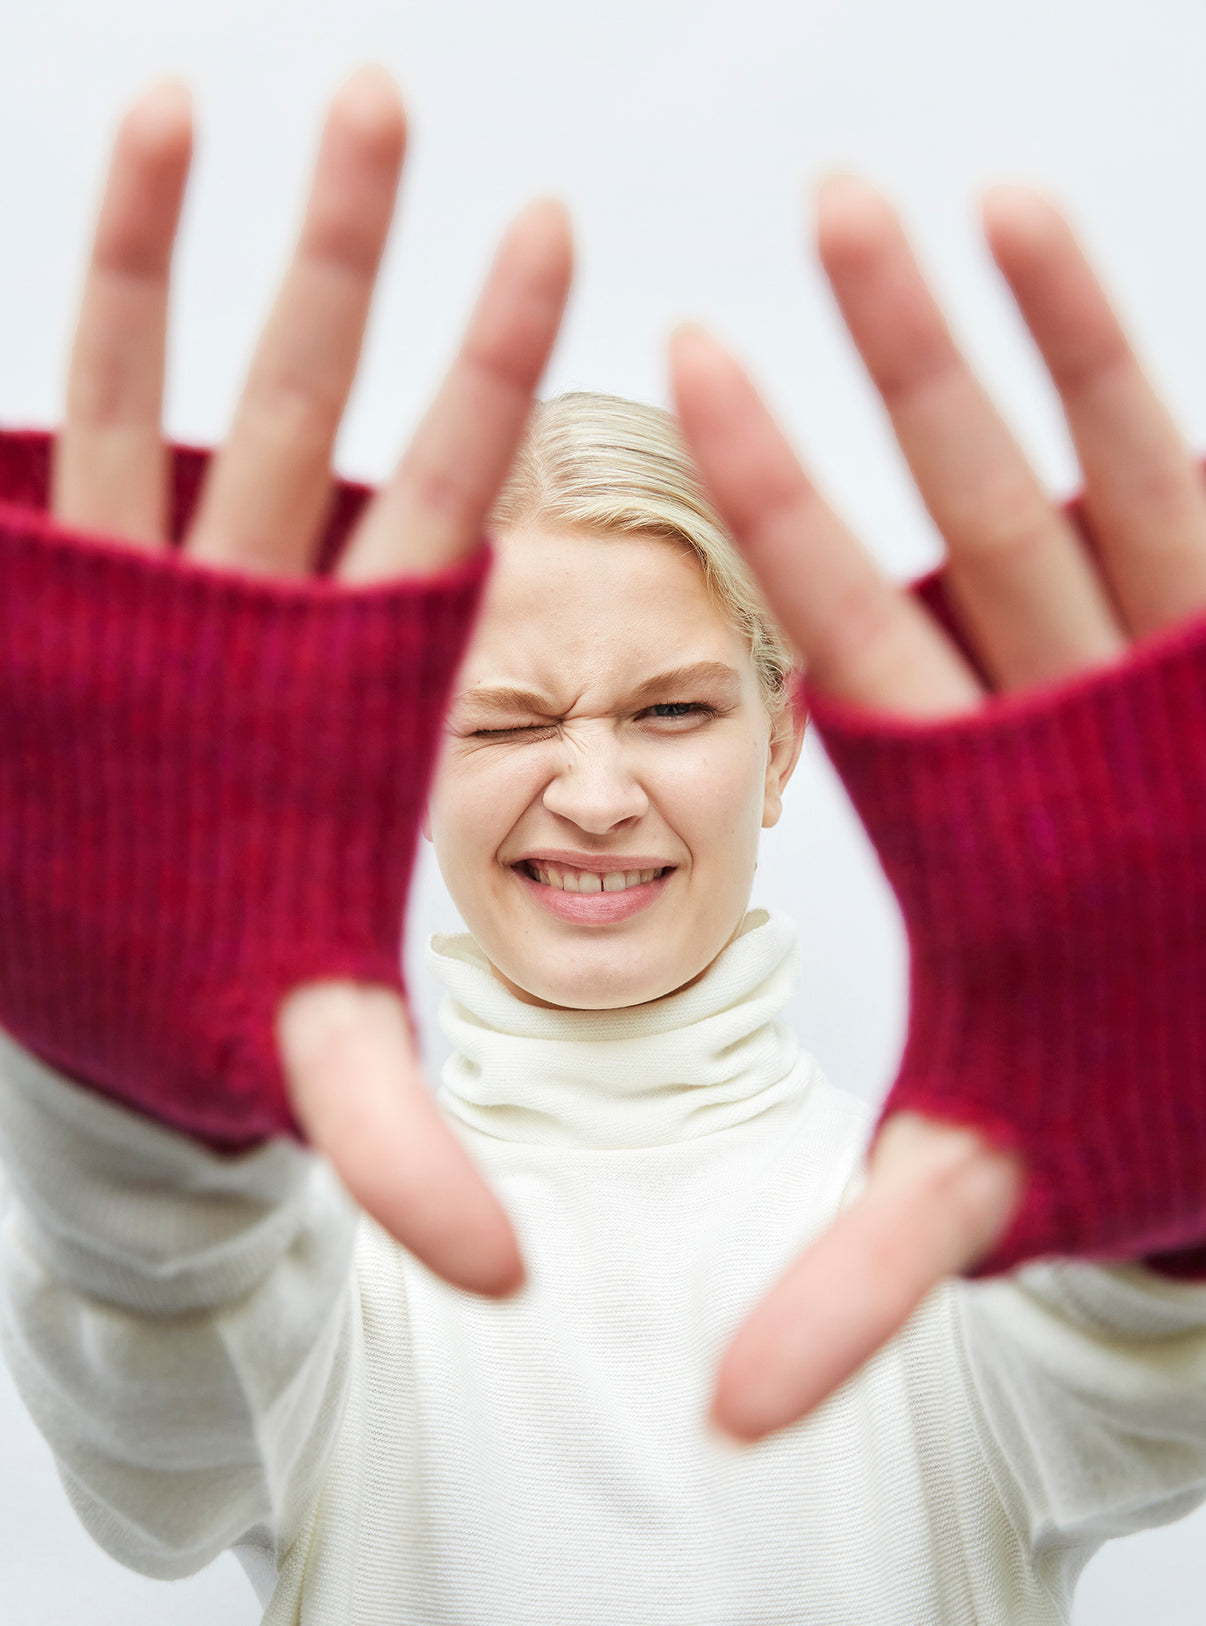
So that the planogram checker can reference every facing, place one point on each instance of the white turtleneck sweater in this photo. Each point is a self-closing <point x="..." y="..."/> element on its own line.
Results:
<point x="221" y="1352"/>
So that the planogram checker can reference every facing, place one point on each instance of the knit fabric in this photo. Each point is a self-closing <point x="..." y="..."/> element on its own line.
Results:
<point x="210" y="1370"/>
<point x="1049" y="855"/>
<point x="210" y="787"/>
<point x="210" y="790"/>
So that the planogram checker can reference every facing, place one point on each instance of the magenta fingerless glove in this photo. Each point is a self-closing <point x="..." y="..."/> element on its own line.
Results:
<point x="210" y="791"/>
<point x="1049" y="856"/>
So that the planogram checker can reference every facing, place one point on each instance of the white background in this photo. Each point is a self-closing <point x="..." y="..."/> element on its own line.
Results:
<point x="684" y="134"/>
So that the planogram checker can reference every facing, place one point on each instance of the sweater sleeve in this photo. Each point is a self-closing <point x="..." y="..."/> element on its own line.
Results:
<point x="210" y="792"/>
<point x="210" y="787"/>
<point x="1049" y="855"/>
<point x="1089" y="1388"/>
<point x="181" y="1325"/>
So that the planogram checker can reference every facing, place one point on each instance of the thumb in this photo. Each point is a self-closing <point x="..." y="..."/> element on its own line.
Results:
<point x="936" y="1199"/>
<point x="359" y="1092"/>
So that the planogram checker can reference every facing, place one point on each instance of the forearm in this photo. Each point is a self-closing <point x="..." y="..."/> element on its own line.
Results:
<point x="211" y="785"/>
<point x="1046" y="850"/>
<point x="180" y="1324"/>
<point x="1091" y="1387"/>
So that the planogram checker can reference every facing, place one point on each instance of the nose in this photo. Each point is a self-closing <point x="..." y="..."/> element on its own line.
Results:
<point x="594" y="786"/>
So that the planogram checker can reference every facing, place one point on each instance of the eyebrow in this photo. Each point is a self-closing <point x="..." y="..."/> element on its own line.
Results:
<point x="508" y="700"/>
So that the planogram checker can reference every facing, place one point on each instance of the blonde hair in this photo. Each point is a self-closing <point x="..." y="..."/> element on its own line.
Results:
<point x="600" y="463"/>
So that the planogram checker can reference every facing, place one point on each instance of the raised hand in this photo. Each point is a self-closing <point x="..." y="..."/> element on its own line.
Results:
<point x="347" y="1049"/>
<point x="1036" y="605"/>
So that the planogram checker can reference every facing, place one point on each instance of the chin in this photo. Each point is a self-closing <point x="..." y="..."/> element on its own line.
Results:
<point x="598" y="988"/>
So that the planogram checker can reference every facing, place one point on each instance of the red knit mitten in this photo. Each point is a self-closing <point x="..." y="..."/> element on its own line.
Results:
<point x="210" y="791"/>
<point x="1049" y="856"/>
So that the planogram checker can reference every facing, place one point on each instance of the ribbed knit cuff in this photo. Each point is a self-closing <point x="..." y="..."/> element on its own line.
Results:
<point x="1049" y="856"/>
<point x="210" y="790"/>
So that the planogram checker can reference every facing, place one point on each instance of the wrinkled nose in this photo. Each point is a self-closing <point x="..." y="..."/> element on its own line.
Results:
<point x="595" y="787"/>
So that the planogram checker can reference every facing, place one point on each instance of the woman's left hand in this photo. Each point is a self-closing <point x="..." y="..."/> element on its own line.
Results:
<point x="1037" y="606"/>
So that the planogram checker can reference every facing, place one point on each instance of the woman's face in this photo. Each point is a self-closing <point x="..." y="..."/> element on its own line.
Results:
<point x="607" y="769"/>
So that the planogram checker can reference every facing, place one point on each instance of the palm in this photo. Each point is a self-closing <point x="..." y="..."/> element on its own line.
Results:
<point x="348" y="1052"/>
<point x="1038" y="607"/>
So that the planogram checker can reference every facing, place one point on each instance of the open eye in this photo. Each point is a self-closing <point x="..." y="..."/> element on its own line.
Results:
<point x="673" y="711"/>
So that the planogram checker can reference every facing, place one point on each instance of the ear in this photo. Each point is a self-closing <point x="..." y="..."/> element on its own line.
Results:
<point x="785" y="745"/>
<point x="425" y="821"/>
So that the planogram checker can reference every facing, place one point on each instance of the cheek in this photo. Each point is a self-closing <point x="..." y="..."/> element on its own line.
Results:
<point x="475" y="801"/>
<point x="713" y="794"/>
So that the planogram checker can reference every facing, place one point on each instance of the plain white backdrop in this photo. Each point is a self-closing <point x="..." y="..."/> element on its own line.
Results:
<point x="684" y="134"/>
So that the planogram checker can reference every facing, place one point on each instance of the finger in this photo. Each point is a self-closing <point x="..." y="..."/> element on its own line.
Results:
<point x="358" y="1090"/>
<point x="268" y="491"/>
<point x="1025" y="588"/>
<point x="110" y="463"/>
<point x="860" y="639"/>
<point x="936" y="1200"/>
<point x="433" y="510"/>
<point x="1144" y="495"/>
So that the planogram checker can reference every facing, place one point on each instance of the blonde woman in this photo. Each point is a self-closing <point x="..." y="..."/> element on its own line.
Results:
<point x="470" y="1380"/>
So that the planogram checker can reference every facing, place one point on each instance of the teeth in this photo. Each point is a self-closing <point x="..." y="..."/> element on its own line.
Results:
<point x="587" y="881"/>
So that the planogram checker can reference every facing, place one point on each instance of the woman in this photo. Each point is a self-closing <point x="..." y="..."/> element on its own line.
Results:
<point x="223" y="1352"/>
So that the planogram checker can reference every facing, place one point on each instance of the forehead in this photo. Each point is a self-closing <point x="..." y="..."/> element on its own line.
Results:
<point x="580" y="608"/>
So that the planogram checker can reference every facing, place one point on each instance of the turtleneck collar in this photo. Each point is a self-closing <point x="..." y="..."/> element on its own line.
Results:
<point x="691" y="1064"/>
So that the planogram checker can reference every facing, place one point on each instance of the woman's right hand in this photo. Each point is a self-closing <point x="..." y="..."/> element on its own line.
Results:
<point x="354" y="1077"/>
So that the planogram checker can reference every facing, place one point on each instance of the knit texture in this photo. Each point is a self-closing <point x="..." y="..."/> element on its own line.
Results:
<point x="210" y="790"/>
<point x="184" y="1331"/>
<point x="1049" y="855"/>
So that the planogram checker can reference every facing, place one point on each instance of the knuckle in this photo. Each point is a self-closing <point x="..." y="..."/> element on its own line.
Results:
<point x="864" y="626"/>
<point x="294" y="410"/>
<point x="1092" y="367"/>
<point x="907" y="379"/>
<point x="434" y="488"/>
<point x="1165" y="492"/>
<point x="784" y="499"/>
<point x="506" y="360"/>
<point x="1012" y="527"/>
<point x="343" y="245"/>
<point x="971" y="1188"/>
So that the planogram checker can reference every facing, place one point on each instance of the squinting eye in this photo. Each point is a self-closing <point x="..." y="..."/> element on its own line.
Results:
<point x="511" y="733"/>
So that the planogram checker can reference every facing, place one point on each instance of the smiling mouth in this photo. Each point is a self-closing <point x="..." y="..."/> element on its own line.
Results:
<point x="564" y="879"/>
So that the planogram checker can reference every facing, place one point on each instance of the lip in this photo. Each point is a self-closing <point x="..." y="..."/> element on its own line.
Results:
<point x="593" y="908"/>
